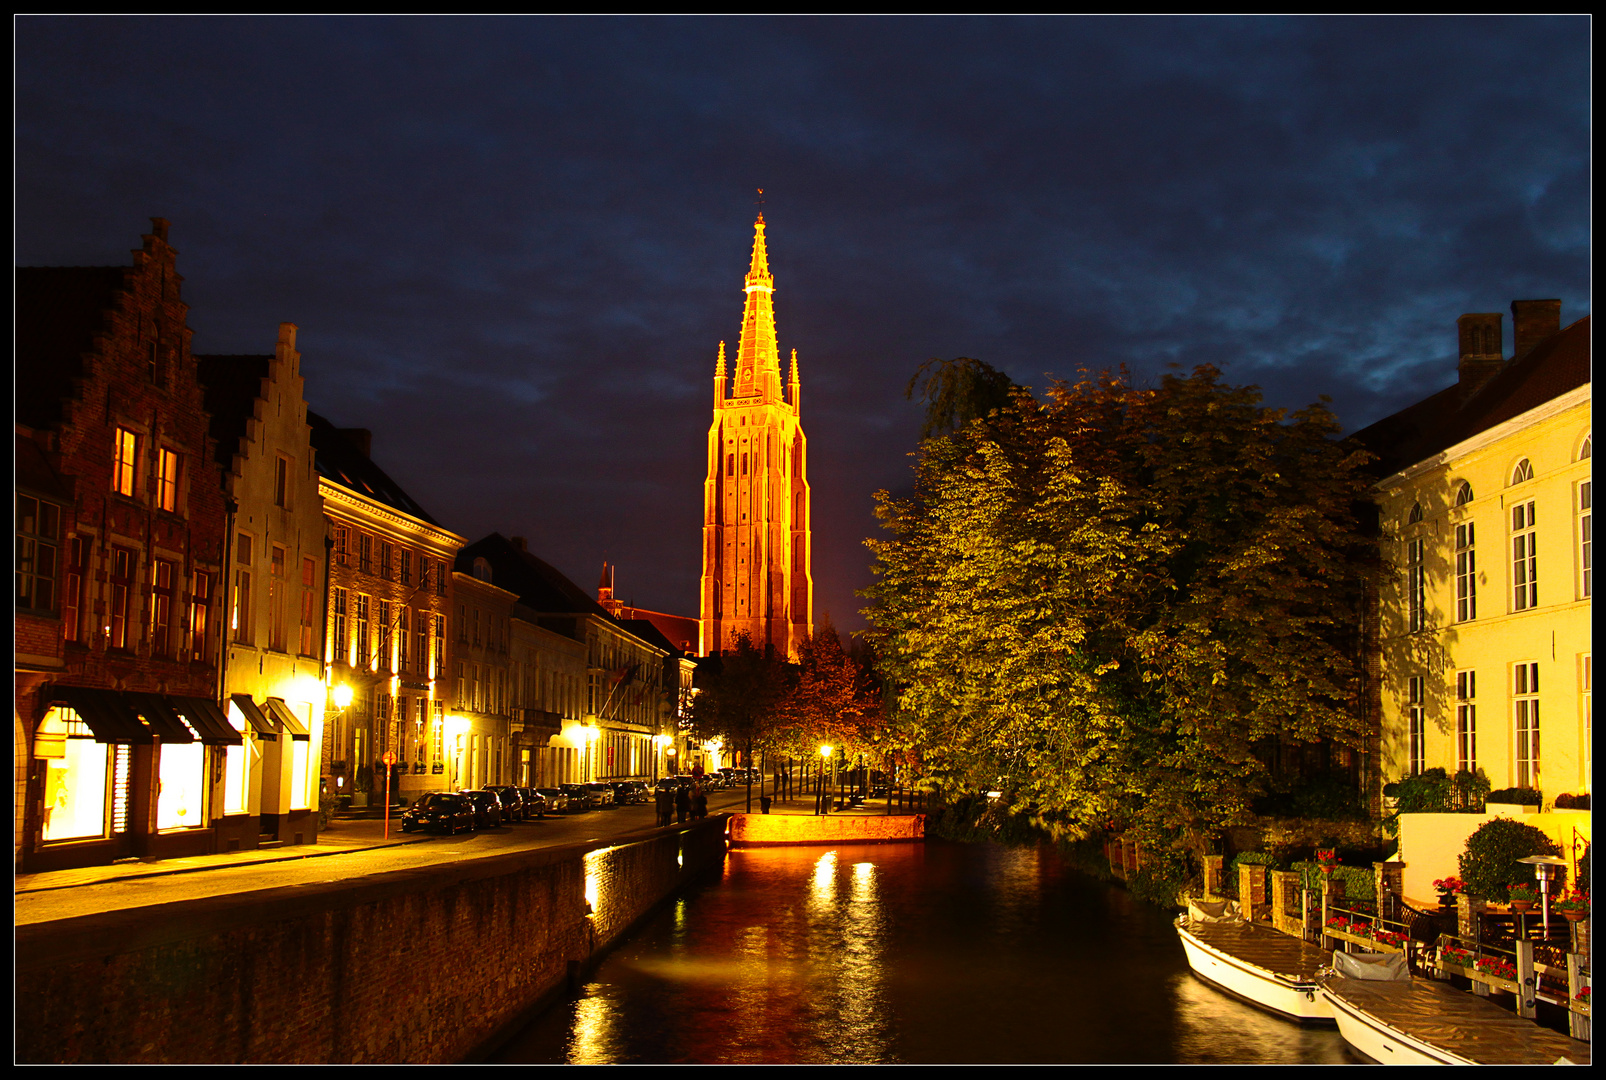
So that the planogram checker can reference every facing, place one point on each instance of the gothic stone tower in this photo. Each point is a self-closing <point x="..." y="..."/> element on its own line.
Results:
<point x="756" y="500"/>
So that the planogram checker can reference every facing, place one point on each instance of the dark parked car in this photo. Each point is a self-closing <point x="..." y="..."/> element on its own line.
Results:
<point x="487" y="808"/>
<point x="512" y="802"/>
<point x="534" y="802"/>
<point x="580" y="798"/>
<point x="438" y="811"/>
<point x="630" y="791"/>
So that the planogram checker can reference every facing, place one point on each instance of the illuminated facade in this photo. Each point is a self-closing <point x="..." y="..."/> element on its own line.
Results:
<point x="610" y="731"/>
<point x="756" y="544"/>
<point x="479" y="670"/>
<point x="1484" y="622"/>
<point x="272" y="597"/>
<point x="120" y="528"/>
<point x="388" y="625"/>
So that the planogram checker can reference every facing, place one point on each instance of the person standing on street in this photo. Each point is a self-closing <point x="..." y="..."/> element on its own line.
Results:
<point x="699" y="802"/>
<point x="664" y="804"/>
<point x="682" y="805"/>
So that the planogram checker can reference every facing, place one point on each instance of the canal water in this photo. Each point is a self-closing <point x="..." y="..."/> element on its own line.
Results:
<point x="885" y="953"/>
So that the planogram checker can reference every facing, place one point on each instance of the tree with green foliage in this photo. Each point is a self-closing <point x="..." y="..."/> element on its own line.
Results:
<point x="1489" y="863"/>
<point x="1105" y="602"/>
<point x="957" y="391"/>
<point x="738" y="699"/>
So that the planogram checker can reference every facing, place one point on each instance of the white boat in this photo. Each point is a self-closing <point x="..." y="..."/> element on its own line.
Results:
<point x="1261" y="965"/>
<point x="1377" y="1040"/>
<point x="1425" y="1022"/>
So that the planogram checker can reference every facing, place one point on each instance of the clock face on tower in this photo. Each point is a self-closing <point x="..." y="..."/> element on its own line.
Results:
<point x="756" y="545"/>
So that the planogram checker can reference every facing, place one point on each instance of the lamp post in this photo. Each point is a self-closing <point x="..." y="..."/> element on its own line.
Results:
<point x="822" y="801"/>
<point x="1545" y="867"/>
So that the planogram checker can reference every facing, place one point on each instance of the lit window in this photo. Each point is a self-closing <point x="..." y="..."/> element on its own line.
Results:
<point x="1525" y="706"/>
<point x="200" y="604"/>
<point x="240" y="617"/>
<point x="1416" y="584"/>
<point x="1466" y="720"/>
<point x="309" y="571"/>
<point x="1585" y="566"/>
<point x="167" y="480"/>
<point x="1524" y="558"/>
<point x="1417" y="715"/>
<point x="124" y="452"/>
<point x="1466" y="574"/>
<point x="163" y="574"/>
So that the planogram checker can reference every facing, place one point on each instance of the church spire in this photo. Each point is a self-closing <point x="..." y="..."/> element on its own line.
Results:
<point x="758" y="362"/>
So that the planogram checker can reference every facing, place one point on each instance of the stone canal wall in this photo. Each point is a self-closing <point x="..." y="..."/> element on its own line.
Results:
<point x="422" y="965"/>
<point x="752" y="830"/>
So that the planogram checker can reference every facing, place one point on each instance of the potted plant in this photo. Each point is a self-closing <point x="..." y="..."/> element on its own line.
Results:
<point x="1388" y="937"/>
<point x="1524" y="897"/>
<point x="1500" y="969"/>
<point x="1449" y="888"/>
<point x="1574" y="907"/>
<point x="1454" y="954"/>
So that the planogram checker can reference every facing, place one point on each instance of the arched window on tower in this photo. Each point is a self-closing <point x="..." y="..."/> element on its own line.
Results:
<point x="1523" y="472"/>
<point x="1463" y="494"/>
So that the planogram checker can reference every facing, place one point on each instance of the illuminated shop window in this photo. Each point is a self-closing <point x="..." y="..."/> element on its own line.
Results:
<point x="182" y="786"/>
<point x="76" y="771"/>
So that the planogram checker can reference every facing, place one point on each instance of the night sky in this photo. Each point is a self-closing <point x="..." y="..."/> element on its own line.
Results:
<point x="512" y="246"/>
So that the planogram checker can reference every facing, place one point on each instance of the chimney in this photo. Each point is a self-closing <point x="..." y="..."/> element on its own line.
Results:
<point x="363" y="439"/>
<point x="1480" y="353"/>
<point x="519" y="542"/>
<point x="1532" y="321"/>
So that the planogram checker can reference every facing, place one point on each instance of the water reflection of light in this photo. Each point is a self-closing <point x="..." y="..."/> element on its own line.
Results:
<point x="1215" y="1027"/>
<point x="861" y="970"/>
<point x="825" y="878"/>
<point x="591" y="1041"/>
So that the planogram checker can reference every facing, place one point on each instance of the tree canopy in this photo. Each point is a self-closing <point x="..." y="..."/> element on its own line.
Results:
<point x="1102" y="603"/>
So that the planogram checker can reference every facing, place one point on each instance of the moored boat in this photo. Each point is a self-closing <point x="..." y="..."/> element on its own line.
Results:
<point x="1261" y="965"/>
<point x="1423" y="1022"/>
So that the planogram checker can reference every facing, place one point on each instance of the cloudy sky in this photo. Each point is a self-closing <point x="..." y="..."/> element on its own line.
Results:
<point x="512" y="246"/>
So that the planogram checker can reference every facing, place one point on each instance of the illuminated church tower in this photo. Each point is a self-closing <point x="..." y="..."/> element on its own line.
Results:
<point x="756" y="500"/>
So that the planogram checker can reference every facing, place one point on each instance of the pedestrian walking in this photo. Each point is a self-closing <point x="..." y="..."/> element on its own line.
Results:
<point x="665" y="804"/>
<point x="682" y="805"/>
<point x="699" y="802"/>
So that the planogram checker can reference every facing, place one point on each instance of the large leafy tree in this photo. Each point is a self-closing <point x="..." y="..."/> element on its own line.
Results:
<point x="1103" y="602"/>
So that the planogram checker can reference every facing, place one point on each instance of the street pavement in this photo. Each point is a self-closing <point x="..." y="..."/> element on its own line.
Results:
<point x="350" y="848"/>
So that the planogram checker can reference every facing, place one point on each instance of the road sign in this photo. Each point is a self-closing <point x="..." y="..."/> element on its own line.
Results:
<point x="389" y="758"/>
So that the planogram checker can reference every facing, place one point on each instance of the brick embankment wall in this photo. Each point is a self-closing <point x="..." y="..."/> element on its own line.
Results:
<point x="759" y="829"/>
<point x="428" y="965"/>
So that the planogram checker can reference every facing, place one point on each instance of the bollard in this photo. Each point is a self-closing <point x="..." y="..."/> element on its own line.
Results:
<point x="1527" y="979"/>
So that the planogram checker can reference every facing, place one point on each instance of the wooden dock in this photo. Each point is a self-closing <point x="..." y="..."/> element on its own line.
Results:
<point x="1457" y="1025"/>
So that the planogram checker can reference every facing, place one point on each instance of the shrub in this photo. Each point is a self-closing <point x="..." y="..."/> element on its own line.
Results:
<point x="1359" y="884"/>
<point x="1516" y="796"/>
<point x="1489" y="864"/>
<point x="1573" y="802"/>
<point x="1162" y="876"/>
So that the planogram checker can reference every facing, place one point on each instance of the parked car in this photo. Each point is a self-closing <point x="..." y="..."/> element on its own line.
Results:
<point x="534" y="803"/>
<point x="675" y="783"/>
<point x="557" y="800"/>
<point x="602" y="795"/>
<point x="580" y="798"/>
<point x="487" y="808"/>
<point x="438" y="811"/>
<point x="512" y="802"/>
<point x="630" y="791"/>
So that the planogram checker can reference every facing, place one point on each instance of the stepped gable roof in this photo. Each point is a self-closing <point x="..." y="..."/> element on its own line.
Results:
<point x="232" y="384"/>
<point x="341" y="461"/>
<point x="59" y="310"/>
<point x="1551" y="368"/>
